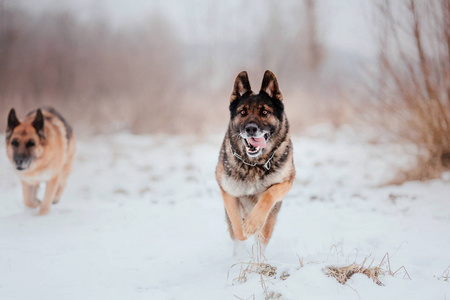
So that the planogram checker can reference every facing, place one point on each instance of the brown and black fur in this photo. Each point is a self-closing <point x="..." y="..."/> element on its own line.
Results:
<point x="252" y="194"/>
<point x="41" y="147"/>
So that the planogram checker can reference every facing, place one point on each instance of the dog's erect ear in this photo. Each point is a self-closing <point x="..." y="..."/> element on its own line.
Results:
<point x="270" y="86"/>
<point x="241" y="86"/>
<point x="13" y="122"/>
<point x="38" y="123"/>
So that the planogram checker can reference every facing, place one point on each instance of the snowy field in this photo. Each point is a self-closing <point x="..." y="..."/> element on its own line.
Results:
<point x="142" y="218"/>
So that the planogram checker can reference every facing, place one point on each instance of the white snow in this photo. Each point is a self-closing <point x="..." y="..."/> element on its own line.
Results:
<point x="142" y="218"/>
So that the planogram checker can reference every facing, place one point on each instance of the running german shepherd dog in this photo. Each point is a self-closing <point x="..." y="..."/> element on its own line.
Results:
<point x="256" y="168"/>
<point x="41" y="148"/>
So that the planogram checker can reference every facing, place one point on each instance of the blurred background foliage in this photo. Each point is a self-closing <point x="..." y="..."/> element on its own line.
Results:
<point x="169" y="67"/>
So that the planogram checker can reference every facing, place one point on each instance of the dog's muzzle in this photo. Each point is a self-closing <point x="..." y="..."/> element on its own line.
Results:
<point x="254" y="139"/>
<point x="21" y="162"/>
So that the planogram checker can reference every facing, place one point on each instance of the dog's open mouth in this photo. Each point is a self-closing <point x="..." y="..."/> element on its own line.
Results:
<point x="254" y="145"/>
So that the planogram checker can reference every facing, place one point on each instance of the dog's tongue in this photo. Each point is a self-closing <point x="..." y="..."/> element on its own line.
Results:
<point x="255" y="142"/>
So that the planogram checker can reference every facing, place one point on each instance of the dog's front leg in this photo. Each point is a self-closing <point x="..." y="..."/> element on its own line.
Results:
<point x="29" y="194"/>
<point x="50" y="191"/>
<point x="232" y="209"/>
<point x="256" y="219"/>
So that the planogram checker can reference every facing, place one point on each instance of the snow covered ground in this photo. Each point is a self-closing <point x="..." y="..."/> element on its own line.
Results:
<point x="142" y="218"/>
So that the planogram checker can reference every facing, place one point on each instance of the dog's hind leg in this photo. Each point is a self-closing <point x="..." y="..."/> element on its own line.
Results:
<point x="266" y="232"/>
<point x="59" y="191"/>
<point x="50" y="192"/>
<point x="29" y="194"/>
<point x="61" y="185"/>
<point x="63" y="179"/>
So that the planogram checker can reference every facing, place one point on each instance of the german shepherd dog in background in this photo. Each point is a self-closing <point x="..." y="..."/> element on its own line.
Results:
<point x="256" y="168"/>
<point x="41" y="148"/>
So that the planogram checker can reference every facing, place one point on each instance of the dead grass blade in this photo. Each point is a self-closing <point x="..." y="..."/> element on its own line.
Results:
<point x="445" y="275"/>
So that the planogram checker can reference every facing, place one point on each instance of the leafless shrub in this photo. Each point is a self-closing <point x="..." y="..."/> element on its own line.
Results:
<point x="413" y="83"/>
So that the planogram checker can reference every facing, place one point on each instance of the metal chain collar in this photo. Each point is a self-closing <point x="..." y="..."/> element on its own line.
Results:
<point x="266" y="165"/>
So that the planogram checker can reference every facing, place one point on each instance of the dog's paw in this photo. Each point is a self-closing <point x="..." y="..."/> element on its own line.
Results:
<point x="43" y="211"/>
<point x="240" y="236"/>
<point x="33" y="204"/>
<point x="252" y="225"/>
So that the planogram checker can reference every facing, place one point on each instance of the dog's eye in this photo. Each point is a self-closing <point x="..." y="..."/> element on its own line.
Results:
<point x="15" y="143"/>
<point x="30" y="144"/>
<point x="243" y="112"/>
<point x="265" y="112"/>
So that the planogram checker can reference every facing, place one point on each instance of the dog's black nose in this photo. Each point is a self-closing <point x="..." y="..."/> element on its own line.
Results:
<point x="251" y="129"/>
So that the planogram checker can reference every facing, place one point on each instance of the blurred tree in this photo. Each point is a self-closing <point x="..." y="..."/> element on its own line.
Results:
<point x="315" y="51"/>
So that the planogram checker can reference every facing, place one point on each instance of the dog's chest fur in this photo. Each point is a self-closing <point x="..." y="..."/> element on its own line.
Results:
<point x="254" y="183"/>
<point x="37" y="177"/>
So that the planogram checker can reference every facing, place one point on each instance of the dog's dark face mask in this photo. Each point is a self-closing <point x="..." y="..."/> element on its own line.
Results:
<point x="255" y="118"/>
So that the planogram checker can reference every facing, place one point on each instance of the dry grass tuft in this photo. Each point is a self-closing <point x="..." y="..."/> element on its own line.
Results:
<point x="342" y="274"/>
<point x="257" y="264"/>
<point x="251" y="267"/>
<point x="425" y="169"/>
